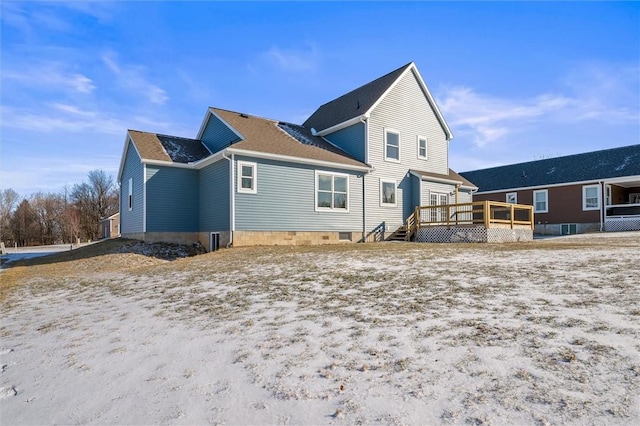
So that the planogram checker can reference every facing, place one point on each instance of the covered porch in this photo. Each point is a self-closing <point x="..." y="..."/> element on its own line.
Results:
<point x="621" y="211"/>
<point x="481" y="221"/>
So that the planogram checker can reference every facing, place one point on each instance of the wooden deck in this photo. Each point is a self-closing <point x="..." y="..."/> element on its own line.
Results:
<point x="490" y="214"/>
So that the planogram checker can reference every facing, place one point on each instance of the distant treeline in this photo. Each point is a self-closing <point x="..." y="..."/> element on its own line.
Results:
<point x="57" y="218"/>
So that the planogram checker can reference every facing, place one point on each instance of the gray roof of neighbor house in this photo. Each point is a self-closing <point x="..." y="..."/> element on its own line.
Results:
<point x="354" y="103"/>
<point x="590" y="166"/>
<point x="452" y="177"/>
<point x="280" y="138"/>
<point x="152" y="146"/>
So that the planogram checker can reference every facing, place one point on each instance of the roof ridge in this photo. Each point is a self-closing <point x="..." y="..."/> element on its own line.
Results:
<point x="367" y="84"/>
<point x="245" y="114"/>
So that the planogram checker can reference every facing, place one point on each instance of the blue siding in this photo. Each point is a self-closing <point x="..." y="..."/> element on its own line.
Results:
<point x="217" y="135"/>
<point x="415" y="192"/>
<point x="131" y="221"/>
<point x="285" y="200"/>
<point x="214" y="197"/>
<point x="172" y="199"/>
<point x="350" y="139"/>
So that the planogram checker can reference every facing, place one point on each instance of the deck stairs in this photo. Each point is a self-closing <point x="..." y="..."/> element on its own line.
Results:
<point x="406" y="232"/>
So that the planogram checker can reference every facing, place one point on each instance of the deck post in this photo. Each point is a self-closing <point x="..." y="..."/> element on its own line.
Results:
<point x="511" y="215"/>
<point x="486" y="213"/>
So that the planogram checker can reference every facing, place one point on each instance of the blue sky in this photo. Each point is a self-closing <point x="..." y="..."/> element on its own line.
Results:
<point x="515" y="81"/>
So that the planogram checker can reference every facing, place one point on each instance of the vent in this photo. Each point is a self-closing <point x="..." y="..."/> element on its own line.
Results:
<point x="243" y="115"/>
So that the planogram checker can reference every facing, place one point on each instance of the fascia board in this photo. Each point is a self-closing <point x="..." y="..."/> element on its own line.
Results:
<point x="430" y="99"/>
<point x="298" y="160"/>
<point x="342" y="125"/>
<point x="125" y="150"/>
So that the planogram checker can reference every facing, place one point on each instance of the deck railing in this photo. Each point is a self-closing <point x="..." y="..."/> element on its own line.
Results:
<point x="487" y="213"/>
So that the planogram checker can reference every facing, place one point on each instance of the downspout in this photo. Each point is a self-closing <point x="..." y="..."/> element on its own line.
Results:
<point x="232" y="198"/>
<point x="602" y="207"/>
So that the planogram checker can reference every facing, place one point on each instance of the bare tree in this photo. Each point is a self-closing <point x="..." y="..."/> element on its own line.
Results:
<point x="49" y="210"/>
<point x="8" y="201"/>
<point x="24" y="225"/>
<point x="94" y="201"/>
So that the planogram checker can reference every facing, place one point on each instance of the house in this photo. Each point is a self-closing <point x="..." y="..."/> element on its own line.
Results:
<point x="593" y="191"/>
<point x="110" y="226"/>
<point x="353" y="171"/>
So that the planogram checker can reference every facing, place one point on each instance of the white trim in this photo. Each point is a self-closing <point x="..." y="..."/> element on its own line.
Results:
<point x="168" y="164"/>
<point x="515" y="200"/>
<point x="426" y="144"/>
<point x="554" y="185"/>
<point x="144" y="198"/>
<point x="210" y="111"/>
<point x="130" y="198"/>
<point x="254" y="177"/>
<point x="412" y="67"/>
<point x="297" y="160"/>
<point x="395" y="193"/>
<point x="584" y="197"/>
<point x="125" y="150"/>
<point x="430" y="100"/>
<point x="387" y="130"/>
<point x="546" y="201"/>
<point x="442" y="180"/>
<point x="315" y="187"/>
<point x="366" y="140"/>
<point x="343" y="125"/>
<point x="232" y="177"/>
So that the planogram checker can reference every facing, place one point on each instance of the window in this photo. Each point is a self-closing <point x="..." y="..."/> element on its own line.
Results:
<point x="512" y="197"/>
<point x="130" y="194"/>
<point x="391" y="145"/>
<point x="344" y="236"/>
<point x="247" y="175"/>
<point x="332" y="191"/>
<point x="591" y="197"/>
<point x="388" y="193"/>
<point x="541" y="201"/>
<point x="422" y="147"/>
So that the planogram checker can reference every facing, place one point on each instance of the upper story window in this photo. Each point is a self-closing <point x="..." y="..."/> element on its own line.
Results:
<point x="422" y="147"/>
<point x="332" y="191"/>
<point x="541" y="201"/>
<point x="591" y="197"/>
<point x="391" y="145"/>
<point x="247" y="177"/>
<point x="388" y="191"/>
<point x="130" y="194"/>
<point x="512" y="198"/>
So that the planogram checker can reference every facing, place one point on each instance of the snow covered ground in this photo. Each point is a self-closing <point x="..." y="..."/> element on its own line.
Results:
<point x="545" y="332"/>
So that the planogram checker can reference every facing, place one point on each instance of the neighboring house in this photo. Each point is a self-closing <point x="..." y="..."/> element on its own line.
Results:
<point x="354" y="171"/>
<point x="594" y="191"/>
<point x="110" y="226"/>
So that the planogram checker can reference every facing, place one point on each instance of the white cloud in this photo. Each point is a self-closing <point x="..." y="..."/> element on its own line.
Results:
<point x="131" y="77"/>
<point x="292" y="60"/>
<point x="595" y="96"/>
<point x="51" y="76"/>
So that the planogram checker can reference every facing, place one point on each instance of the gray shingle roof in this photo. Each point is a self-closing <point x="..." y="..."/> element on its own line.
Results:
<point x="590" y="166"/>
<point x="352" y="104"/>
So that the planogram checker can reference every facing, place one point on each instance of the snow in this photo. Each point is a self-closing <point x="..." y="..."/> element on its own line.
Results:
<point x="298" y="135"/>
<point x="545" y="332"/>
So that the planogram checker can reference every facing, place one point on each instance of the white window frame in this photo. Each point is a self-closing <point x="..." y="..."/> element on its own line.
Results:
<point x="395" y="198"/>
<point x="515" y="197"/>
<point x="388" y="130"/>
<point x="584" y="197"/>
<point x="316" y="188"/>
<point x="426" y="144"/>
<point x="546" y="201"/>
<point x="130" y="193"/>
<point x="254" y="186"/>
